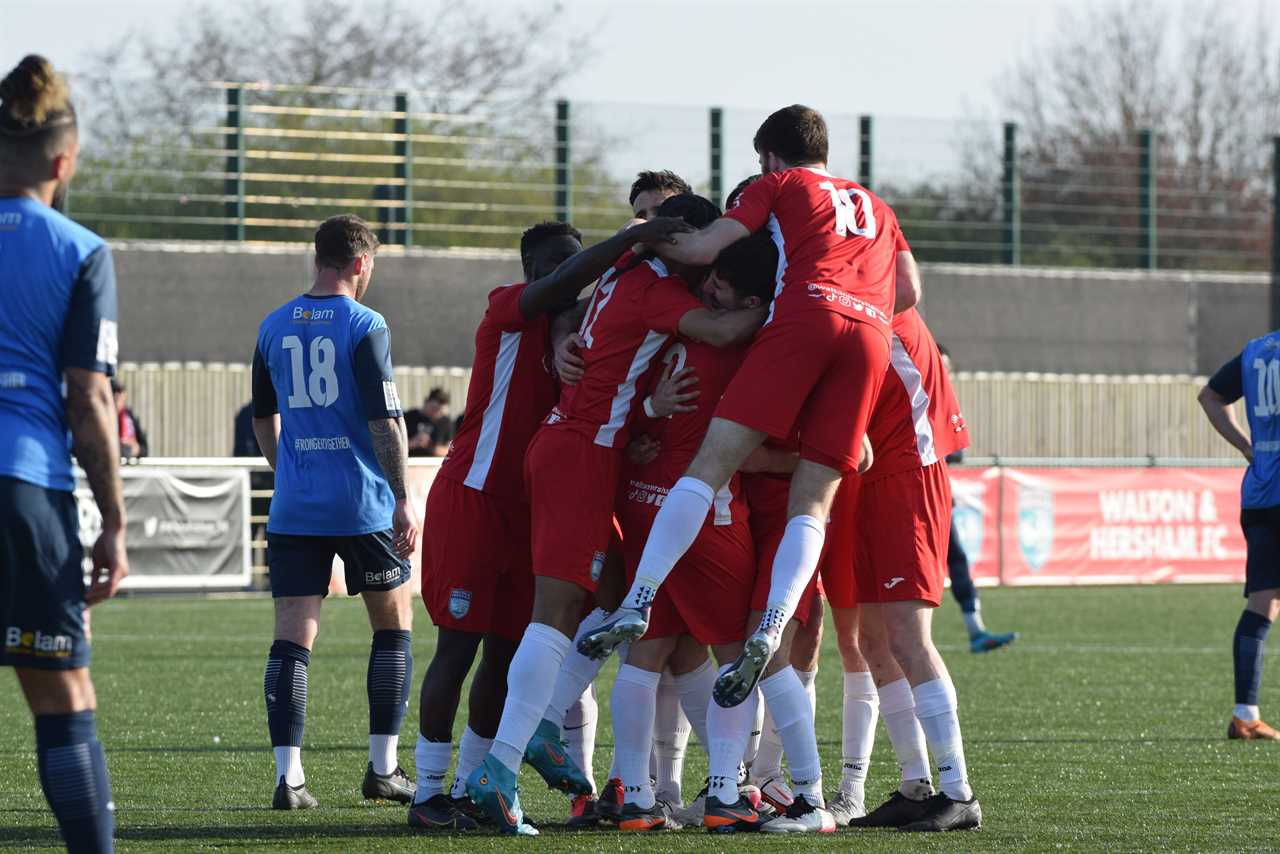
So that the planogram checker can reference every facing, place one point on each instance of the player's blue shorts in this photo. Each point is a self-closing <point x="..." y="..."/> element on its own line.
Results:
<point x="41" y="578"/>
<point x="1261" y="526"/>
<point x="302" y="565"/>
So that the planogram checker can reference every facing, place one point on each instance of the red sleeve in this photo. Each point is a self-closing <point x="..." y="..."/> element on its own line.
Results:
<point x="901" y="245"/>
<point x="504" y="308"/>
<point x="665" y="302"/>
<point x="756" y="202"/>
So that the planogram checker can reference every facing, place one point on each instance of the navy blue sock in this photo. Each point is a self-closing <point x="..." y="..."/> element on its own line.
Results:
<point x="390" y="674"/>
<point x="961" y="581"/>
<point x="1247" y="649"/>
<point x="73" y="774"/>
<point x="285" y="687"/>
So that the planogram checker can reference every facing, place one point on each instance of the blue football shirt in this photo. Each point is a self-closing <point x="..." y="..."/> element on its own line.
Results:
<point x="57" y="311"/>
<point x="1255" y="376"/>
<point x="324" y="363"/>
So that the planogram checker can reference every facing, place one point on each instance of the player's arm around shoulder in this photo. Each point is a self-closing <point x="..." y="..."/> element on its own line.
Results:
<point x="701" y="248"/>
<point x="722" y="328"/>
<point x="908" y="288"/>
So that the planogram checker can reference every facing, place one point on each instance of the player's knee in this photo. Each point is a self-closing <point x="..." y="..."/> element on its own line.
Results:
<point x="57" y="692"/>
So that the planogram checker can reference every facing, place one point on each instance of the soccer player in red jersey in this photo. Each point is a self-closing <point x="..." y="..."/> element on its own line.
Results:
<point x="651" y="189"/>
<point x="571" y="473"/>
<point x="477" y="583"/>
<point x="899" y="515"/>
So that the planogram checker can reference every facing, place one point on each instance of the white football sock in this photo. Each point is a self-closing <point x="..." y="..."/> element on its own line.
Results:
<point x="670" y="739"/>
<point x="634" y="702"/>
<point x="861" y="708"/>
<point x="973" y="621"/>
<point x="769" y="755"/>
<point x="936" y="710"/>
<point x="753" y="740"/>
<point x="674" y="529"/>
<point x="382" y="753"/>
<point x="1247" y="713"/>
<point x="576" y="671"/>
<point x="579" y="732"/>
<point x="472" y="749"/>
<point x="793" y="567"/>
<point x="793" y="717"/>
<point x="809" y="679"/>
<point x="694" y="689"/>
<point x="529" y="684"/>
<point x="898" y="709"/>
<point x="727" y="733"/>
<point x="289" y="765"/>
<point x="431" y="759"/>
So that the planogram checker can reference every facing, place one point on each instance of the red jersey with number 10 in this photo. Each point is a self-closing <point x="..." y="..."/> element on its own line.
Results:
<point x="629" y="319"/>
<point x="511" y="391"/>
<point x="836" y="243"/>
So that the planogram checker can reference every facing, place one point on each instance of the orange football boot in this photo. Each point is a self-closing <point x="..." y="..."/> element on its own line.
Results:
<point x="1258" y="730"/>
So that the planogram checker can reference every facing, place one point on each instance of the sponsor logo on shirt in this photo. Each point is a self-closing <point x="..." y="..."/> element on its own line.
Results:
<point x="13" y="379"/>
<point x="312" y="315"/>
<point x="459" y="603"/>
<point x="18" y="642"/>
<point x="10" y="221"/>
<point x="830" y="294"/>
<point x="646" y="493"/>
<point x="322" y="443"/>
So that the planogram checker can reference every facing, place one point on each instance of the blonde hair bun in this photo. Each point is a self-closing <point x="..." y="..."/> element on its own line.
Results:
<point x="33" y="95"/>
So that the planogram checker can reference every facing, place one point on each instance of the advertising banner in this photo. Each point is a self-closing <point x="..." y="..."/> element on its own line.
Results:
<point x="976" y="520"/>
<point x="188" y="529"/>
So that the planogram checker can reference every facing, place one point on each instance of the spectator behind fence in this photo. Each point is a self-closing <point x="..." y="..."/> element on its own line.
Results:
<point x="430" y="428"/>
<point x="133" y="439"/>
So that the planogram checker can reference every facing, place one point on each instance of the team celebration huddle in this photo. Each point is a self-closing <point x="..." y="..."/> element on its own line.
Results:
<point x="745" y="417"/>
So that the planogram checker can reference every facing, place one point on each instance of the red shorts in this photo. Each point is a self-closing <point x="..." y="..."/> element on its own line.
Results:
<point x="904" y="522"/>
<point x="475" y="561"/>
<point x="839" y="550"/>
<point x="769" y="537"/>
<point x="571" y="482"/>
<point x="814" y="372"/>
<point x="708" y="593"/>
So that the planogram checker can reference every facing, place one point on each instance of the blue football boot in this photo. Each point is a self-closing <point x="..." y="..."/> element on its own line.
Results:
<point x="547" y="754"/>
<point x="493" y="788"/>
<point x="988" y="641"/>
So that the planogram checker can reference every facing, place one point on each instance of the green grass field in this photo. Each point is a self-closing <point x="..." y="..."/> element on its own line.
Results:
<point x="1101" y="729"/>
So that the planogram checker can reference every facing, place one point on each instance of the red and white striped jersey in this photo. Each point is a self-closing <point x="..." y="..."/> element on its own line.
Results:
<point x="636" y="307"/>
<point x="836" y="243"/>
<point x="511" y="391"/>
<point x="916" y="420"/>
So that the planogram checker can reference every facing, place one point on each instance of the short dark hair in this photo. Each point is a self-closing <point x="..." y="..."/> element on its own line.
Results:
<point x="696" y="210"/>
<point x="797" y="134"/>
<point x="343" y="238"/>
<point x="544" y="231"/>
<point x="943" y="351"/>
<point x="737" y="191"/>
<point x="439" y="395"/>
<point x="750" y="266"/>
<point x="664" y="181"/>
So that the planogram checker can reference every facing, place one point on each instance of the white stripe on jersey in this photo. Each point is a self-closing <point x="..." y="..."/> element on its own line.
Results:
<point x="723" y="504"/>
<point x="627" y="388"/>
<point x="914" y="383"/>
<point x="656" y="265"/>
<point x="491" y="420"/>
<point x="775" y="231"/>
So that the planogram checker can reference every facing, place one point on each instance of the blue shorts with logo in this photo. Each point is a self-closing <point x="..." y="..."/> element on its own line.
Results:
<point x="302" y="565"/>
<point x="1261" y="526"/>
<point x="41" y="578"/>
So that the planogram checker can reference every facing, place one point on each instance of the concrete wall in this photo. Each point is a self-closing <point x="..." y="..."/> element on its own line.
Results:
<point x="202" y="302"/>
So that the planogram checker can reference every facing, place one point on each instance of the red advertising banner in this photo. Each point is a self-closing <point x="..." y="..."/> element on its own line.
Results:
<point x="976" y="518"/>
<point x="1120" y="526"/>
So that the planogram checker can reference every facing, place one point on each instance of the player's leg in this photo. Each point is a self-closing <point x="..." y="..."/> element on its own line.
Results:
<point x="806" y="648"/>
<point x="297" y="621"/>
<point x="390" y="673"/>
<point x="966" y="596"/>
<point x="579" y="733"/>
<point x="437" y="708"/>
<point x="634" y="705"/>
<point x="858" y="720"/>
<point x="1262" y="603"/>
<point x="728" y="730"/>
<point x="671" y="731"/>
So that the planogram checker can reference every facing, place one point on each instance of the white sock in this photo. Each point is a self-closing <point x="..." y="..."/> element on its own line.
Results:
<point x="936" y="710"/>
<point x="674" y="529"/>
<point x="576" y="671"/>
<point x="793" y="566"/>
<point x="694" y="690"/>
<point x="768" y="762"/>
<point x="809" y="679"/>
<point x="753" y="740"/>
<point x="579" y="732"/>
<point x="973" y="621"/>
<point x="898" y="709"/>
<point x="793" y="717"/>
<point x="727" y="734"/>
<point x="382" y="753"/>
<point x="431" y="758"/>
<point x="671" y="731"/>
<point x="289" y="765"/>
<point x="472" y="749"/>
<point x="861" y="708"/>
<point x="529" y="684"/>
<point x="1247" y="713"/>
<point x="634" y="701"/>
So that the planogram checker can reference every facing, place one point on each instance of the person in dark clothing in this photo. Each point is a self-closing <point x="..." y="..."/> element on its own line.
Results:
<point x="430" y="428"/>
<point x="133" y="439"/>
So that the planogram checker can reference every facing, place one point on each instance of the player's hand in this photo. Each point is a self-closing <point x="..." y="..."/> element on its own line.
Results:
<point x="569" y="365"/>
<point x="675" y="392"/>
<point x="643" y="450"/>
<point x="110" y="566"/>
<point x="1248" y="453"/>
<point x="867" y="457"/>
<point x="660" y="229"/>
<point x="404" y="524"/>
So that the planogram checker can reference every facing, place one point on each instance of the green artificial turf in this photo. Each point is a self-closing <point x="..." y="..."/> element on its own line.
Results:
<point x="1102" y="728"/>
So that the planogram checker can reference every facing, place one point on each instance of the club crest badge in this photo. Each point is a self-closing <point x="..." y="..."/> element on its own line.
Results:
<point x="597" y="566"/>
<point x="1035" y="525"/>
<point x="459" y="603"/>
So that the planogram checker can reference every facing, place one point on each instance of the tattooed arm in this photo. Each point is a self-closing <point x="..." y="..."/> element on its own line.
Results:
<point x="91" y="415"/>
<point x="391" y="446"/>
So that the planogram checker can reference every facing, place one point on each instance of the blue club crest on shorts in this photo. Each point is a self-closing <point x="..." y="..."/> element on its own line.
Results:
<point x="968" y="520"/>
<point x="1035" y="525"/>
<point x="459" y="603"/>
<point x="597" y="565"/>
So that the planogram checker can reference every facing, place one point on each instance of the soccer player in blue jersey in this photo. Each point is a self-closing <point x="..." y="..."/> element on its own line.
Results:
<point x="57" y="325"/>
<point x="1255" y="376"/>
<point x="328" y="419"/>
